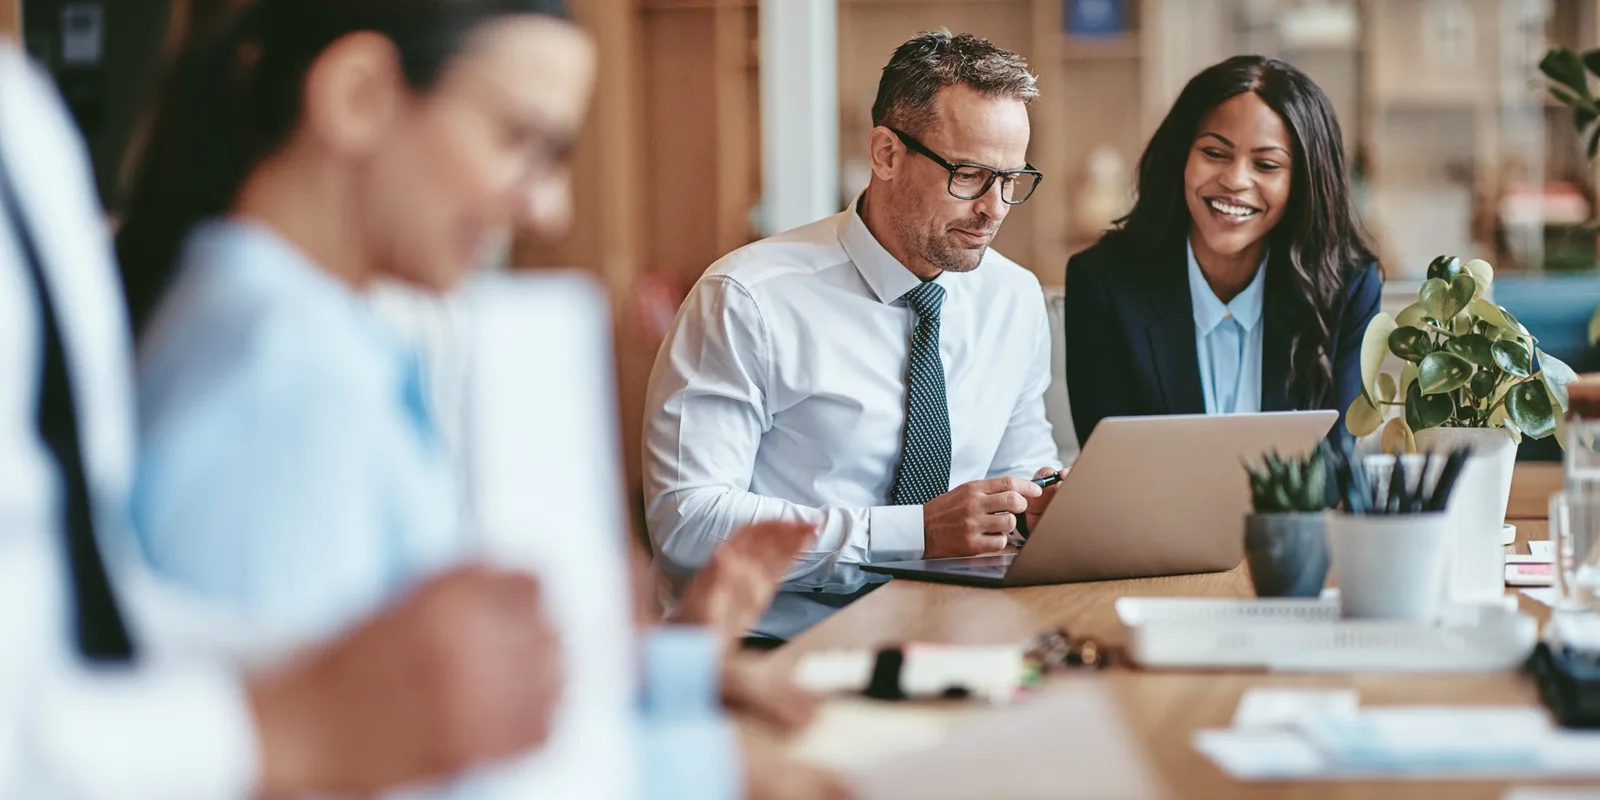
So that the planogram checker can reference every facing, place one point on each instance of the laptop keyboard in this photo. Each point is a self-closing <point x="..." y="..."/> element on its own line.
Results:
<point x="987" y="566"/>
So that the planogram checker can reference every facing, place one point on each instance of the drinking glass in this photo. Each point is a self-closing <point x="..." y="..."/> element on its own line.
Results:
<point x="1576" y="571"/>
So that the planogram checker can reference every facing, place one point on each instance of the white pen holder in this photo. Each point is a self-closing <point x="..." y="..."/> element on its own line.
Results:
<point x="1390" y="567"/>
<point x="1475" y="550"/>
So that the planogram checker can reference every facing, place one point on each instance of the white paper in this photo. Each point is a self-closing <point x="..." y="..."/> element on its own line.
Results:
<point x="1271" y="708"/>
<point x="545" y="478"/>
<point x="1553" y="793"/>
<point x="1070" y="737"/>
<point x="1543" y="548"/>
<point x="1546" y="595"/>
<point x="1414" y="742"/>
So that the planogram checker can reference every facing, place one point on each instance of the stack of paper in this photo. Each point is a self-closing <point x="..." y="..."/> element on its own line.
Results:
<point x="1334" y="740"/>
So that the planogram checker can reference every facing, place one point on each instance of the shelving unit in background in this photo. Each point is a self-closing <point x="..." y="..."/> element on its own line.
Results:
<point x="1440" y="122"/>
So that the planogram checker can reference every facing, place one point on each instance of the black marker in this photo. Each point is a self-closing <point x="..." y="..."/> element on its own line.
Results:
<point x="1048" y="480"/>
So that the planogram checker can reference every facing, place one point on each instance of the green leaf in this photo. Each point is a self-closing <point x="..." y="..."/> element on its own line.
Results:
<point x="1513" y="357"/>
<point x="1433" y="295"/>
<point x="1561" y="430"/>
<point x="1373" y="350"/>
<point x="1412" y="317"/>
<point x="1443" y="372"/>
<point x="1387" y="389"/>
<point x="1528" y="405"/>
<point x="1443" y="301"/>
<point x="1474" y="347"/>
<point x="1481" y="273"/>
<point x="1565" y="67"/>
<point x="1556" y="376"/>
<point x="1408" y="376"/>
<point x="1579" y="106"/>
<point x="1516" y="325"/>
<point x="1427" y="411"/>
<point x="1583" y="116"/>
<point x="1411" y="344"/>
<point x="1484" y="382"/>
<point x="1362" y="418"/>
<point x="1444" y="268"/>
<point x="1316" y="495"/>
<point x="1397" y="437"/>
<point x="1591" y="60"/>
<point x="1496" y="316"/>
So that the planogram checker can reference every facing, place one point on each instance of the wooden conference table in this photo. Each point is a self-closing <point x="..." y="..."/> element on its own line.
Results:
<point x="1164" y="709"/>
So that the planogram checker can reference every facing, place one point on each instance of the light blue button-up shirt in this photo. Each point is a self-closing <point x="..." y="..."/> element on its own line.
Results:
<point x="1228" y="340"/>
<point x="291" y="471"/>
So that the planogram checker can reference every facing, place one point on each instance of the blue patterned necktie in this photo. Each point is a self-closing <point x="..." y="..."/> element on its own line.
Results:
<point x="925" y="453"/>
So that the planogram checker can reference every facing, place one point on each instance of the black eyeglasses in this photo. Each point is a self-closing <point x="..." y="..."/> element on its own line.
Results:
<point x="972" y="181"/>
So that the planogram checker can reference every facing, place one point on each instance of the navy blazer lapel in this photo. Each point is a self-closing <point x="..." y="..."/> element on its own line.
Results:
<point x="1277" y="319"/>
<point x="1170" y="332"/>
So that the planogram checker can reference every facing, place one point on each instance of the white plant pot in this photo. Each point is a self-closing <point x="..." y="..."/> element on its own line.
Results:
<point x="1478" y="506"/>
<point x="1390" y="567"/>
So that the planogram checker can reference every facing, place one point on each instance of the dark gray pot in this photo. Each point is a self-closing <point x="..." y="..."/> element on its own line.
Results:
<point x="1288" y="554"/>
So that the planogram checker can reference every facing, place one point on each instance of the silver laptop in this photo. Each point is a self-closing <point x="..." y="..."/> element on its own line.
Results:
<point x="1149" y="496"/>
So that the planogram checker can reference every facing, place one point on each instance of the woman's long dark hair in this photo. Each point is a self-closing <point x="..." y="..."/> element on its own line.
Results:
<point x="1319" y="245"/>
<point x="233" y="97"/>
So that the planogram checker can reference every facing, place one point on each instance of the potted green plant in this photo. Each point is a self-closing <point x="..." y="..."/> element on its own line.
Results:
<point x="1474" y="377"/>
<point x="1283" y="537"/>
<point x="1469" y="364"/>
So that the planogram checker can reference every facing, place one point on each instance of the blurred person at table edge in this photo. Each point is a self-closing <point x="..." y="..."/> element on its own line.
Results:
<point x="292" y="469"/>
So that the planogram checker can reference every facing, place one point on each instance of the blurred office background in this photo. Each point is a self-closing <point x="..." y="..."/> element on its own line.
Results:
<point x="721" y="121"/>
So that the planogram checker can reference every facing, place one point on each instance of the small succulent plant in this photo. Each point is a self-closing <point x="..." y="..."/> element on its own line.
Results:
<point x="1289" y="485"/>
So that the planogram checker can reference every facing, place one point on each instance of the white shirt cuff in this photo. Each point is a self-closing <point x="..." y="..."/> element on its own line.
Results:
<point x="170" y="732"/>
<point x="894" y="533"/>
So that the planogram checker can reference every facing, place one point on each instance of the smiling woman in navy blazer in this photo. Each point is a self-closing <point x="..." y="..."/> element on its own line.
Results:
<point x="1241" y="280"/>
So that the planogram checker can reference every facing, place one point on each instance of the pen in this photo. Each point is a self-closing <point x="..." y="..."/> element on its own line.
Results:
<point x="1022" y="521"/>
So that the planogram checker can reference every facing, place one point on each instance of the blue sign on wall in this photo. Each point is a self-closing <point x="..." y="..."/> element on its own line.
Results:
<point x="1094" y="18"/>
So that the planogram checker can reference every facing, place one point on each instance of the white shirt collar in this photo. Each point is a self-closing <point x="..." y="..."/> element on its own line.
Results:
<point x="888" y="278"/>
<point x="1209" y="311"/>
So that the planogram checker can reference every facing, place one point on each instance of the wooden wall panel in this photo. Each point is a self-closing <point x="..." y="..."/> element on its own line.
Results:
<point x="680" y="128"/>
<point x="11" y="18"/>
<point x="1106" y="86"/>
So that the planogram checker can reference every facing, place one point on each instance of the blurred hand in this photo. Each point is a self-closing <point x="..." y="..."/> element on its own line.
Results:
<point x="465" y="670"/>
<point x="973" y="518"/>
<point x="757" y="685"/>
<point x="1037" y="505"/>
<point x="734" y="589"/>
<point x="770" y="774"/>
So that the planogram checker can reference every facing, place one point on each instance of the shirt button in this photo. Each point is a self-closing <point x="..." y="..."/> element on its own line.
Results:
<point x="1227" y="315"/>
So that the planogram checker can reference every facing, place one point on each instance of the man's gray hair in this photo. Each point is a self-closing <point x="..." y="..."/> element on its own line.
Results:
<point x="931" y="61"/>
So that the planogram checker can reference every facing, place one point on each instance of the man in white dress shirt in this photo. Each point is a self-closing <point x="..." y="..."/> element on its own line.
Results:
<point x="879" y="373"/>
<point x="110" y="685"/>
